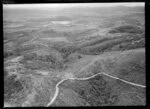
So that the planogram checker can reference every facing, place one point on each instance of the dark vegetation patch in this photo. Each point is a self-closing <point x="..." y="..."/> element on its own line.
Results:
<point x="66" y="50"/>
<point x="11" y="86"/>
<point x="58" y="103"/>
<point x="132" y="68"/>
<point x="126" y="29"/>
<point x="8" y="54"/>
<point x="73" y="57"/>
<point x="95" y="41"/>
<point x="21" y="50"/>
<point x="96" y="91"/>
<point x="129" y="66"/>
<point x="34" y="62"/>
<point x="14" y="89"/>
<point x="18" y="37"/>
<point x="42" y="98"/>
<point x="104" y="91"/>
<point x="133" y="38"/>
<point x="133" y="41"/>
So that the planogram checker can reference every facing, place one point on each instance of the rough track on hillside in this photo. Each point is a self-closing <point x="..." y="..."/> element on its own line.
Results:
<point x="57" y="86"/>
<point x="103" y="73"/>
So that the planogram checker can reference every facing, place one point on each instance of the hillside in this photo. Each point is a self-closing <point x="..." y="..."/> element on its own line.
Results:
<point x="44" y="49"/>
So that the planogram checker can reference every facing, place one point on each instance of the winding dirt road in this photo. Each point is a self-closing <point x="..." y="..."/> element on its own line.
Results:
<point x="103" y="73"/>
<point x="57" y="86"/>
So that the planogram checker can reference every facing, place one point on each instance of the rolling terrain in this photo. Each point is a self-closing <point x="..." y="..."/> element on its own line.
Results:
<point x="85" y="56"/>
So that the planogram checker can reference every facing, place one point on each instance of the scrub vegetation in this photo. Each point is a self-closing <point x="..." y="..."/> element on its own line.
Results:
<point x="40" y="51"/>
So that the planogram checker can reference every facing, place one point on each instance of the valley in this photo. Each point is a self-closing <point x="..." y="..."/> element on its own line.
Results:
<point x="74" y="56"/>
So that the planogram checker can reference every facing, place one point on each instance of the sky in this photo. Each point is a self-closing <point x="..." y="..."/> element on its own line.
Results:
<point x="69" y="5"/>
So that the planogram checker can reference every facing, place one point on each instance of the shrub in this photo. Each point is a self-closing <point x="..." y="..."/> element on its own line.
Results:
<point x="126" y="29"/>
<point x="11" y="87"/>
<point x="73" y="57"/>
<point x="8" y="53"/>
<point x="96" y="91"/>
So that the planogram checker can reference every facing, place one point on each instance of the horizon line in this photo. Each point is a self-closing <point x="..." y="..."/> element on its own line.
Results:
<point x="71" y="5"/>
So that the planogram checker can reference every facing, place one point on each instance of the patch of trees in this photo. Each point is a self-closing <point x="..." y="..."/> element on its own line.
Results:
<point x="12" y="87"/>
<point x="65" y="50"/>
<point x="46" y="61"/>
<point x="97" y="67"/>
<point x="96" y="91"/>
<point x="73" y="57"/>
<point x="126" y="29"/>
<point x="101" y="47"/>
<point x="5" y="73"/>
<point x="8" y="53"/>
<point x="16" y="89"/>
<point x="95" y="41"/>
<point x="124" y="42"/>
<point x="101" y="93"/>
